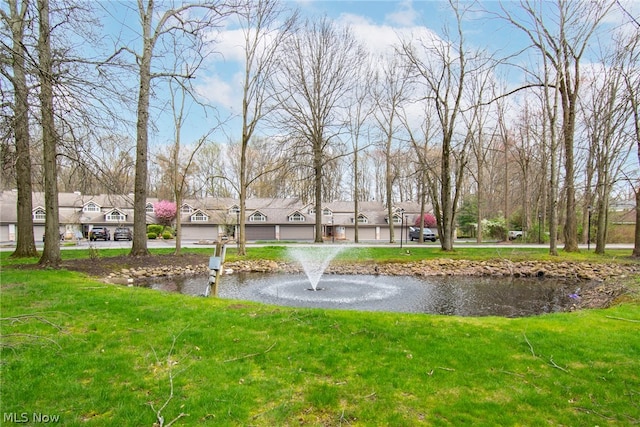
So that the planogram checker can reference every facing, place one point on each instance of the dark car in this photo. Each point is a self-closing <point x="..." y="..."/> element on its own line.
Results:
<point x="122" y="233"/>
<point x="427" y="234"/>
<point x="99" y="233"/>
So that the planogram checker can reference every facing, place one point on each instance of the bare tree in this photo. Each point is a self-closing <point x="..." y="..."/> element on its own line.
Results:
<point x="482" y="134"/>
<point x="631" y="76"/>
<point x="17" y="21"/>
<point x="442" y="68"/>
<point x="51" y="253"/>
<point x="181" y="164"/>
<point x="562" y="36"/>
<point x="318" y="64"/>
<point x="529" y="154"/>
<point x="390" y="93"/>
<point x="605" y="120"/>
<point x="358" y="114"/>
<point x="187" y="23"/>
<point x="263" y="35"/>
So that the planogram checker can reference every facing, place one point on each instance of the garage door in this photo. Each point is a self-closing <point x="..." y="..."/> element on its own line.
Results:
<point x="364" y="233"/>
<point x="296" y="232"/>
<point x="261" y="232"/>
<point x="192" y="232"/>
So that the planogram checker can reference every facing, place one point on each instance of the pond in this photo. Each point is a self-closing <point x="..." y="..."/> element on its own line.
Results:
<point x="450" y="295"/>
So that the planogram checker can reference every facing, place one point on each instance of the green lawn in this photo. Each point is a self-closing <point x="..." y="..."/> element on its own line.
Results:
<point x="105" y="355"/>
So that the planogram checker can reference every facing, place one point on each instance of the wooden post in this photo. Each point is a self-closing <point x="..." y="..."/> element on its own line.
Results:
<point x="219" y="254"/>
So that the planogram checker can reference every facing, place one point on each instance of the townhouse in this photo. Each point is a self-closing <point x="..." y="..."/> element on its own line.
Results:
<point x="212" y="218"/>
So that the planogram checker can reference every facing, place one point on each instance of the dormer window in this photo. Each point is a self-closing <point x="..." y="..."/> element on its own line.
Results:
<point x="397" y="219"/>
<point x="362" y="219"/>
<point x="327" y="212"/>
<point x="186" y="209"/>
<point x="199" y="217"/>
<point x="115" y="216"/>
<point x="149" y="208"/>
<point x="257" y="217"/>
<point x="297" y="217"/>
<point x="39" y="214"/>
<point x="91" y="207"/>
<point x="235" y="209"/>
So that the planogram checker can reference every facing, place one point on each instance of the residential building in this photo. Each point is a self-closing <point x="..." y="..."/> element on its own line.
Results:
<point x="216" y="218"/>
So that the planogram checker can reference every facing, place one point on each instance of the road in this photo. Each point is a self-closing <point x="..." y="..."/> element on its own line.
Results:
<point x="85" y="244"/>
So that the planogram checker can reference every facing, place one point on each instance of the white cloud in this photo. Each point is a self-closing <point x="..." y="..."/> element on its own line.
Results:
<point x="405" y="16"/>
<point x="219" y="91"/>
<point x="382" y="39"/>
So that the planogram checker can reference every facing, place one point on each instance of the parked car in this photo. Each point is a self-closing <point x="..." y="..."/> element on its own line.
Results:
<point x="99" y="233"/>
<point x="515" y="234"/>
<point x="427" y="234"/>
<point x="122" y="233"/>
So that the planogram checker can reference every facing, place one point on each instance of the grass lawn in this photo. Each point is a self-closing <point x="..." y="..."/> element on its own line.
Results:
<point x="94" y="354"/>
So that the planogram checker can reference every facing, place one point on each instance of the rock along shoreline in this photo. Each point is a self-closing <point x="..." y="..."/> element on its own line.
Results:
<point x="425" y="268"/>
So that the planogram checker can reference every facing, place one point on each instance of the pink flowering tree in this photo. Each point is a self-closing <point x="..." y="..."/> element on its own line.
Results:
<point x="428" y="219"/>
<point x="165" y="211"/>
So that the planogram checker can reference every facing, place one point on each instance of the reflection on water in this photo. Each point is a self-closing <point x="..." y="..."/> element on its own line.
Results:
<point x="453" y="295"/>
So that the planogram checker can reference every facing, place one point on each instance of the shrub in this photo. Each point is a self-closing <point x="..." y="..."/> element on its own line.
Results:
<point x="496" y="227"/>
<point x="155" y="228"/>
<point x="428" y="220"/>
<point x="151" y="235"/>
<point x="167" y="235"/>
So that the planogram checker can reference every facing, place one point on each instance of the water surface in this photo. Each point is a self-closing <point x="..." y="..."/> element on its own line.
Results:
<point x="452" y="295"/>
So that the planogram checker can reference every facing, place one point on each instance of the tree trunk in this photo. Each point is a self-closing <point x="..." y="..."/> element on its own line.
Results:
<point x="570" y="229"/>
<point x="480" y="202"/>
<point x="25" y="242"/>
<point x="139" y="245"/>
<point x="317" y="166"/>
<point x="446" y="240"/>
<point x="636" y="241"/>
<point x="356" y="195"/>
<point x="389" y="182"/>
<point x="51" y="253"/>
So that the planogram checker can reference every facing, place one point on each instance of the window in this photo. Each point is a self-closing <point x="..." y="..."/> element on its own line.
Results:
<point x="91" y="207"/>
<point x="297" y="217"/>
<point x="39" y="215"/>
<point x="199" y="217"/>
<point x="362" y="219"/>
<point x="397" y="219"/>
<point x="257" y="217"/>
<point x="186" y="209"/>
<point x="234" y="209"/>
<point x="327" y="212"/>
<point x="115" y="216"/>
<point x="149" y="208"/>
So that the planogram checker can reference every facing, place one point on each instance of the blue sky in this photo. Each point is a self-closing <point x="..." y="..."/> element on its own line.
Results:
<point x="377" y="24"/>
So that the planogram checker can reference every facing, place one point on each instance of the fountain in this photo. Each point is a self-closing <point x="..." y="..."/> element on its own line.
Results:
<point x="314" y="261"/>
<point x="464" y="296"/>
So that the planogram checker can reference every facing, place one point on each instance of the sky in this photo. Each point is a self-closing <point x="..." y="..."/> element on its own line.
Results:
<point x="376" y="24"/>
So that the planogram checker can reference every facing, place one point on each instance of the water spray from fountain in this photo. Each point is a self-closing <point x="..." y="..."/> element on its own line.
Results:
<point x="314" y="261"/>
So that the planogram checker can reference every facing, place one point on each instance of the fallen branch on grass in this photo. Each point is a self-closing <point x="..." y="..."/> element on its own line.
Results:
<point x="158" y="412"/>
<point x="252" y="354"/>
<point x="551" y="361"/>
<point x="622" y="318"/>
<point x="5" y="338"/>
